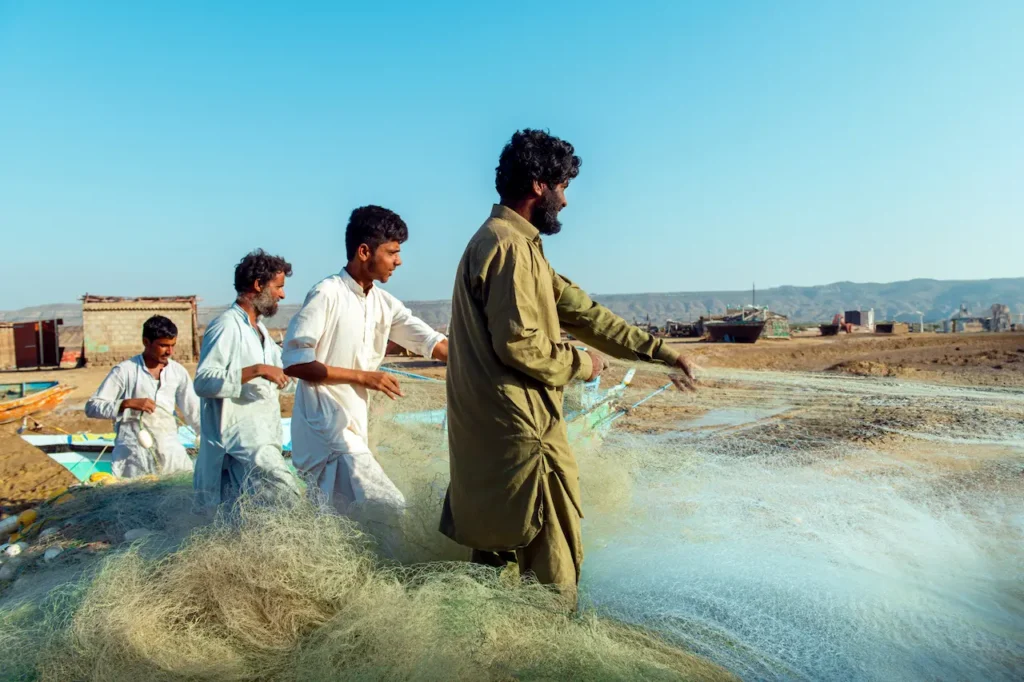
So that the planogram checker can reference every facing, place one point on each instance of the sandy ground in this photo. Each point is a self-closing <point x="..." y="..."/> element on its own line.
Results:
<point x="966" y="359"/>
<point x="27" y="475"/>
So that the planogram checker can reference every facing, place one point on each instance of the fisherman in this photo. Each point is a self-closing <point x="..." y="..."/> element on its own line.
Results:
<point x="514" y="481"/>
<point x="239" y="379"/>
<point x="140" y="395"/>
<point x="334" y="347"/>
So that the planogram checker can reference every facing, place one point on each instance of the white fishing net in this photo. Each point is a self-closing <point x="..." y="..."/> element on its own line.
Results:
<point x="801" y="526"/>
<point x="785" y="526"/>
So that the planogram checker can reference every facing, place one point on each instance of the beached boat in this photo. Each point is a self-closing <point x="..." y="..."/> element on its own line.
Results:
<point x="735" y="332"/>
<point x="30" y="397"/>
<point x="590" y="411"/>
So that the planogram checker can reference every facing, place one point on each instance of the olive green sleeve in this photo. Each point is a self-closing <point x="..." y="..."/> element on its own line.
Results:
<point x="513" y="306"/>
<point x="599" y="327"/>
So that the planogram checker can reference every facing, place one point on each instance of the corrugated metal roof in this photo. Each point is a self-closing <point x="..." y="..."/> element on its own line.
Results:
<point x="92" y="298"/>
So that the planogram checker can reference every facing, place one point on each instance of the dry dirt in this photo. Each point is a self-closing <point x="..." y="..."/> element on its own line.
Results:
<point x="967" y="359"/>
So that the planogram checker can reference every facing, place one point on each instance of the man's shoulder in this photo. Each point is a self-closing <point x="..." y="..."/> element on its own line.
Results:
<point x="126" y="365"/>
<point x="498" y="230"/>
<point x="176" y="367"/>
<point x="332" y="286"/>
<point x="494" y="235"/>
<point x="226" y="322"/>
<point x="222" y="318"/>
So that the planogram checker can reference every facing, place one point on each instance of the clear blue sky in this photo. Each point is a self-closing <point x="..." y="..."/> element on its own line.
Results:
<point x="145" y="147"/>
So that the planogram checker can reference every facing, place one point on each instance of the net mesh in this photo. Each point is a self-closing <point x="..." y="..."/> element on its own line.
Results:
<point x="783" y="526"/>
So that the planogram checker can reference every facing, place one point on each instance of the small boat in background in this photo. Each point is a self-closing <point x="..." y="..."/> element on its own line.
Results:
<point x="30" y="397"/>
<point x="735" y="332"/>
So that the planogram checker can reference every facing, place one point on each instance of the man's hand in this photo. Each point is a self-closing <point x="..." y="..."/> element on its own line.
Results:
<point x="687" y="380"/>
<point x="141" y="404"/>
<point x="382" y="381"/>
<point x="599" y="364"/>
<point x="273" y="374"/>
<point x="440" y="351"/>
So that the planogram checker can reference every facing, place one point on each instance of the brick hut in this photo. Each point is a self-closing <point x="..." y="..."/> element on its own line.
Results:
<point x="112" y="326"/>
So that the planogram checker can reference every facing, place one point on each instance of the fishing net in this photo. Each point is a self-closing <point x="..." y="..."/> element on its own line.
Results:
<point x="782" y="526"/>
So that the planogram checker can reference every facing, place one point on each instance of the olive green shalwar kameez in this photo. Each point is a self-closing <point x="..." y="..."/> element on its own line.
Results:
<point x="514" y="480"/>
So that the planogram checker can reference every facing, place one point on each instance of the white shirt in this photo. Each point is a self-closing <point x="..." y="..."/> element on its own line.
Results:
<point x="340" y="325"/>
<point x="132" y="379"/>
<point x="237" y="418"/>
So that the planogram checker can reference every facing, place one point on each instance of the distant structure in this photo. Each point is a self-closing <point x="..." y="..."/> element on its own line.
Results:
<point x="112" y="326"/>
<point x="861" y="318"/>
<point x="892" y="328"/>
<point x="963" y="322"/>
<point x="26" y="345"/>
<point x="1000" y="320"/>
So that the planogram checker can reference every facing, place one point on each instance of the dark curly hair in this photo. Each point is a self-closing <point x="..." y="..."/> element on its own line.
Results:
<point x="159" y="327"/>
<point x="373" y="226"/>
<point x="259" y="266"/>
<point x="534" y="155"/>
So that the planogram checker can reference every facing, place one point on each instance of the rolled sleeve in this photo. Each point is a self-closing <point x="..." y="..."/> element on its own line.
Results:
<point x="410" y="332"/>
<point x="305" y="329"/>
<point x="218" y="375"/>
<point x="106" y="402"/>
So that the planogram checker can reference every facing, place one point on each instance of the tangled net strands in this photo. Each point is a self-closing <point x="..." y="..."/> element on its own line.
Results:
<point x="783" y="526"/>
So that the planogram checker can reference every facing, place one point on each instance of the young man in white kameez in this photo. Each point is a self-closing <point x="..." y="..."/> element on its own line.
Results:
<point x="141" y="394"/>
<point x="334" y="347"/>
<point x="239" y="380"/>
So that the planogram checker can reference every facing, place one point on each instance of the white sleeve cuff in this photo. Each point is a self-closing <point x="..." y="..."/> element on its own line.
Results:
<point x="297" y="356"/>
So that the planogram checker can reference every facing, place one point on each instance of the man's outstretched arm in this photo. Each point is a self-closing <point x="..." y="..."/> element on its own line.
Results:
<point x="599" y="327"/>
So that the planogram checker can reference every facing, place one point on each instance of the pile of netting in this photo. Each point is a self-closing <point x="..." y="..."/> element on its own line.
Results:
<point x="782" y="526"/>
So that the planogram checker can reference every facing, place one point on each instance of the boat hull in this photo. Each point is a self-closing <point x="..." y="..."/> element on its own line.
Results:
<point x="45" y="396"/>
<point x="735" y="332"/>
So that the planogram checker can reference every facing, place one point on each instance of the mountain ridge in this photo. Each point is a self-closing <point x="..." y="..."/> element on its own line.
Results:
<point x="936" y="299"/>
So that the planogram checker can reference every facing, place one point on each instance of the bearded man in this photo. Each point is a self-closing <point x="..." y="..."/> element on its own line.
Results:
<point x="514" y="492"/>
<point x="238" y="382"/>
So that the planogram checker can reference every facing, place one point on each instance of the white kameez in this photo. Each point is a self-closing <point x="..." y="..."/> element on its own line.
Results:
<point x="131" y="379"/>
<point x="341" y="326"/>
<point x="240" y="446"/>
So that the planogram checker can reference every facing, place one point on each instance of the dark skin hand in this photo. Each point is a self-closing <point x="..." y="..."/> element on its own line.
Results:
<point x="687" y="379"/>
<point x="141" y="404"/>
<point x="599" y="364"/>
<point x="684" y="381"/>
<point x="319" y="373"/>
<point x="268" y="372"/>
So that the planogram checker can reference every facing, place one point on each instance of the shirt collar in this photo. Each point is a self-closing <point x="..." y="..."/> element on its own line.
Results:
<point x="521" y="224"/>
<point x="245" y="316"/>
<point x="352" y="284"/>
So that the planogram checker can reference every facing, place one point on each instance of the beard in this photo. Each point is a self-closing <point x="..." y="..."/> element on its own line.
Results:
<point x="265" y="304"/>
<point x="545" y="213"/>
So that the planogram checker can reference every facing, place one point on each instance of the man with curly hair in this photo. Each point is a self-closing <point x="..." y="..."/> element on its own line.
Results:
<point x="238" y="380"/>
<point x="514" y="492"/>
<point x="334" y="347"/>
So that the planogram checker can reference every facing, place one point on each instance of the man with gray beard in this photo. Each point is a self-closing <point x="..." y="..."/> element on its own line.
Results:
<point x="238" y="381"/>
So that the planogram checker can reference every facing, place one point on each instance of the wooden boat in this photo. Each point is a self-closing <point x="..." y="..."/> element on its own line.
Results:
<point x="30" y="397"/>
<point x="735" y="332"/>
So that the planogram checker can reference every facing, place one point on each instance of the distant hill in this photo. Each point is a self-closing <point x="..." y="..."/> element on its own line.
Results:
<point x="937" y="299"/>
